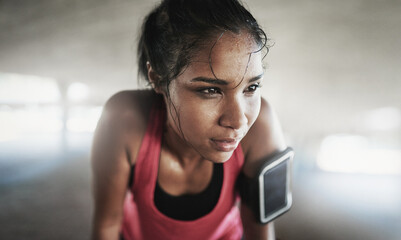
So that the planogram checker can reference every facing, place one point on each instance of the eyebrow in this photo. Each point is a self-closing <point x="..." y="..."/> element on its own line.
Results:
<point x="220" y="81"/>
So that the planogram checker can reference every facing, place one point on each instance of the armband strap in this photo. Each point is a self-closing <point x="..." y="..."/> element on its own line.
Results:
<point x="268" y="194"/>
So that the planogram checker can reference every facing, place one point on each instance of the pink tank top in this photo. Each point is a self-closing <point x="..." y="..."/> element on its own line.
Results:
<point x="142" y="220"/>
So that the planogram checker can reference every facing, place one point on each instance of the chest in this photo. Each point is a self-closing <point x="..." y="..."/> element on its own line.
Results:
<point x="178" y="179"/>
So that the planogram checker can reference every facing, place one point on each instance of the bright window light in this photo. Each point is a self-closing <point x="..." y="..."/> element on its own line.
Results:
<point x="28" y="104"/>
<point x="356" y="154"/>
<point x="382" y="119"/>
<point x="83" y="119"/>
<point x="23" y="89"/>
<point x="8" y="125"/>
<point x="77" y="92"/>
<point x="18" y="123"/>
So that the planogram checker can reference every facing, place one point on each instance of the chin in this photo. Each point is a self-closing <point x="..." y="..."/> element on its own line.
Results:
<point x="221" y="157"/>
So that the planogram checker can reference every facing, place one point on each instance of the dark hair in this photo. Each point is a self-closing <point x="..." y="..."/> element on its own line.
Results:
<point x="176" y="29"/>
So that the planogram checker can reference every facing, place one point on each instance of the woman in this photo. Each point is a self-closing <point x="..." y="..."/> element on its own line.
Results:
<point x="165" y="161"/>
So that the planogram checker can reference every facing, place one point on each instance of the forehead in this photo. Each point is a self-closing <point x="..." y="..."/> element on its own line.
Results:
<point x="230" y="56"/>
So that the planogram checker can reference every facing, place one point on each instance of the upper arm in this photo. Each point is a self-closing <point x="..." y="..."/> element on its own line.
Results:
<point x="111" y="166"/>
<point x="264" y="138"/>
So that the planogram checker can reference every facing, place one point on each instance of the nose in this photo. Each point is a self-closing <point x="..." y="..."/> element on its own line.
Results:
<point x="233" y="114"/>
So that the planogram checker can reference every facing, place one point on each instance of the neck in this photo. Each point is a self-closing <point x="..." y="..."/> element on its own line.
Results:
<point x="180" y="150"/>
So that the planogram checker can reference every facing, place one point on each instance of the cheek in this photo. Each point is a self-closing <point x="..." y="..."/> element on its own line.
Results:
<point x="198" y="117"/>
<point x="253" y="107"/>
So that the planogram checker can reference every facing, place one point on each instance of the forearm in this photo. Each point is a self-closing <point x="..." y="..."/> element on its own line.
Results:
<point x="110" y="232"/>
<point x="254" y="230"/>
<point x="266" y="234"/>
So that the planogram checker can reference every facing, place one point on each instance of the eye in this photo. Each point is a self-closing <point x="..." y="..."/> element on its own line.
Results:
<point x="210" y="91"/>
<point x="252" y="88"/>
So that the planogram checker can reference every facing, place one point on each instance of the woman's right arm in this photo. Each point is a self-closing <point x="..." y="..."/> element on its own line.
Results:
<point x="110" y="168"/>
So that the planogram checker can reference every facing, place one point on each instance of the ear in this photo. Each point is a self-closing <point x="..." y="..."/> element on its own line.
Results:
<point x="153" y="78"/>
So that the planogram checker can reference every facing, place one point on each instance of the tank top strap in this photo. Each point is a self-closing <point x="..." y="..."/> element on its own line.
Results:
<point x="149" y="152"/>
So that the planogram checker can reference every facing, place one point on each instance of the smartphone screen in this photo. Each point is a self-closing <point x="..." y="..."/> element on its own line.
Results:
<point x="274" y="183"/>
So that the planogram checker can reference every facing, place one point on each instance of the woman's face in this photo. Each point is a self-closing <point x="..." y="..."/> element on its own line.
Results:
<point x="211" y="113"/>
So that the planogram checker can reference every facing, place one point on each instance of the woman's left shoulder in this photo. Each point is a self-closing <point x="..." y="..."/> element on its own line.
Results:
<point x="263" y="138"/>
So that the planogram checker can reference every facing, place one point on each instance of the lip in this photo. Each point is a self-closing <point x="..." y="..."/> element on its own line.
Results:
<point x="225" y="144"/>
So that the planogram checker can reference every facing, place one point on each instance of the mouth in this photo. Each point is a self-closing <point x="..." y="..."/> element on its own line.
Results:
<point x="225" y="144"/>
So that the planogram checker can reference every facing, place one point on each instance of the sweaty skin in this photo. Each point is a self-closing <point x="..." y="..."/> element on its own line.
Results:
<point x="206" y="120"/>
<point x="208" y="116"/>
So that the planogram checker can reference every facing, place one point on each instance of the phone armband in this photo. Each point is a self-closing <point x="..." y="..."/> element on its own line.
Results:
<point x="268" y="194"/>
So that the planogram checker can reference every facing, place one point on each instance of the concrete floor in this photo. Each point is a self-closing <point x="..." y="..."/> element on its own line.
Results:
<point x="51" y="205"/>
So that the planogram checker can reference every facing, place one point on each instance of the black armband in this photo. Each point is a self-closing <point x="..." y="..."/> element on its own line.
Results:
<point x="268" y="194"/>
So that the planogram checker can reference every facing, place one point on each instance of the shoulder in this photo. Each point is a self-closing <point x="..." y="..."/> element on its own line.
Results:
<point x="116" y="142"/>
<point x="128" y="109"/>
<point x="124" y="119"/>
<point x="126" y="103"/>
<point x="264" y="138"/>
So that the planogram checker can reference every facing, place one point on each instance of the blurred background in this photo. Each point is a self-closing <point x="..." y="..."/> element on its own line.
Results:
<point x="333" y="76"/>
